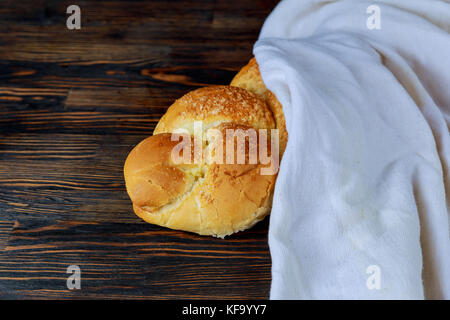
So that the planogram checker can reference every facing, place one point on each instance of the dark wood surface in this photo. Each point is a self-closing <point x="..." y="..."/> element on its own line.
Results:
<point x="73" y="103"/>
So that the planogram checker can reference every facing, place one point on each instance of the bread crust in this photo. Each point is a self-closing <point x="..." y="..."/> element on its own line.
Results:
<point x="215" y="105"/>
<point x="249" y="78"/>
<point x="215" y="199"/>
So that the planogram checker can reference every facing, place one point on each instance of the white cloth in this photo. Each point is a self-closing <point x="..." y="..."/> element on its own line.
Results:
<point x="364" y="180"/>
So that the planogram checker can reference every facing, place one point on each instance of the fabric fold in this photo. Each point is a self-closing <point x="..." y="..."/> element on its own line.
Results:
<point x="360" y="208"/>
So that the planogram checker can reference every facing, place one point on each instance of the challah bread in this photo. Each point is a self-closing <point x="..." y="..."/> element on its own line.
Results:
<point x="250" y="79"/>
<point x="207" y="198"/>
<point x="213" y="105"/>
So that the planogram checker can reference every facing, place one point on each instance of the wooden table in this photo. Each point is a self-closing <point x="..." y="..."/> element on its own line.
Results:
<point x="73" y="103"/>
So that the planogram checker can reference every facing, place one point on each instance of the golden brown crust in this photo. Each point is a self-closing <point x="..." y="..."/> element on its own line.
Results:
<point x="250" y="79"/>
<point x="152" y="179"/>
<point x="208" y="199"/>
<point x="213" y="105"/>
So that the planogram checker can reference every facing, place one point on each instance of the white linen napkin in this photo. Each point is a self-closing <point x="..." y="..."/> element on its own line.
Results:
<point x="361" y="203"/>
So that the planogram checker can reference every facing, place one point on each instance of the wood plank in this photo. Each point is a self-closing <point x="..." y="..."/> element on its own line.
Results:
<point x="6" y="226"/>
<point x="132" y="261"/>
<point x="72" y="105"/>
<point x="65" y="176"/>
<point x="147" y="31"/>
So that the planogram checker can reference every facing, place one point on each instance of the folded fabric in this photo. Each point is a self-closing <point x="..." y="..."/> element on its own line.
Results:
<point x="361" y="203"/>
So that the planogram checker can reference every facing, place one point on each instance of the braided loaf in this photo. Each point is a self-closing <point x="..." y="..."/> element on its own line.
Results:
<point x="206" y="197"/>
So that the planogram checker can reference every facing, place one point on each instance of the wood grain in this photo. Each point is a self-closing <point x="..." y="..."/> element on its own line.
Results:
<point x="72" y="105"/>
<point x="131" y="260"/>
